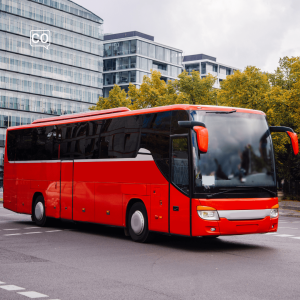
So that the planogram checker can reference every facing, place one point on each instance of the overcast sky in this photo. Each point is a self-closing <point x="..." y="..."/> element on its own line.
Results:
<point x="238" y="32"/>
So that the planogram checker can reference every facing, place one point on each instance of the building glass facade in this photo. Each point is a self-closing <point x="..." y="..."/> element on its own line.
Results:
<point x="63" y="78"/>
<point x="131" y="56"/>
<point x="205" y="65"/>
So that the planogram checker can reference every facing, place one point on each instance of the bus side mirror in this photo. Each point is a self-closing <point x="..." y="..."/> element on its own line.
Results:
<point x="201" y="132"/>
<point x="294" y="140"/>
<point x="202" y="138"/>
<point x="293" y="136"/>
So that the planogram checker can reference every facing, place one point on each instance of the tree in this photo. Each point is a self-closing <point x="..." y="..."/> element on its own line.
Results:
<point x="117" y="98"/>
<point x="196" y="90"/>
<point x="245" y="89"/>
<point x="154" y="92"/>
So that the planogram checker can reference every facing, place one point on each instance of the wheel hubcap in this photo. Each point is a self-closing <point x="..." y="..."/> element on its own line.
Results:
<point x="137" y="222"/>
<point x="39" y="211"/>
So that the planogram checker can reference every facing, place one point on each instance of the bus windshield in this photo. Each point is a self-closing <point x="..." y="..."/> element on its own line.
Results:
<point x="240" y="152"/>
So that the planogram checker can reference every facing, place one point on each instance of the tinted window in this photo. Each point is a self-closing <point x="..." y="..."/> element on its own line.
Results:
<point x="33" y="144"/>
<point x="132" y="136"/>
<point x="155" y="137"/>
<point x="73" y="141"/>
<point x="112" y="138"/>
<point x="92" y="144"/>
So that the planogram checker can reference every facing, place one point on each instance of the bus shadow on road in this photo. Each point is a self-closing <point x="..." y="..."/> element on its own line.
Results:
<point x="191" y="244"/>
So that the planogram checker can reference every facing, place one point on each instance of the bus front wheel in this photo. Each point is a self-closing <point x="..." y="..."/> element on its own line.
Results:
<point x="38" y="212"/>
<point x="138" y="223"/>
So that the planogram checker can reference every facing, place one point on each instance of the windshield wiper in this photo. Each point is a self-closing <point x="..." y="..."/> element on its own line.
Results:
<point x="240" y="189"/>
<point x="220" y="112"/>
<point x="223" y="192"/>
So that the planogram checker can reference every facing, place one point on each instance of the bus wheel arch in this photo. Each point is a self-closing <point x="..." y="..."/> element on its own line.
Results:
<point x="137" y="221"/>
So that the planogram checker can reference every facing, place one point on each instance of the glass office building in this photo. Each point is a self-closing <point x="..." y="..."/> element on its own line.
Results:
<point x="206" y="64"/>
<point x="130" y="55"/>
<point x="37" y="81"/>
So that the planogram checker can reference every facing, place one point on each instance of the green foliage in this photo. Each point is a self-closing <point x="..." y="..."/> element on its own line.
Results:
<point x="117" y="98"/>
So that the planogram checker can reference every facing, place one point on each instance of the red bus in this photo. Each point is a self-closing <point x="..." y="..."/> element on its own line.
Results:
<point x="181" y="169"/>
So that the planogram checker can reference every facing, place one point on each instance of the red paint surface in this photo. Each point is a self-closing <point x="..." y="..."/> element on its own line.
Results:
<point x="294" y="139"/>
<point x="202" y="138"/>
<point x="179" y="220"/>
<point x="66" y="190"/>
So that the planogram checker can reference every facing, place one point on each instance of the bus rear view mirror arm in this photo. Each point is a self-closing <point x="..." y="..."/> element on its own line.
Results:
<point x="293" y="136"/>
<point x="190" y="124"/>
<point x="201" y="132"/>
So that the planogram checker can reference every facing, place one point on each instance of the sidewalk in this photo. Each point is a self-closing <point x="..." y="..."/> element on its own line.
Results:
<point x="289" y="208"/>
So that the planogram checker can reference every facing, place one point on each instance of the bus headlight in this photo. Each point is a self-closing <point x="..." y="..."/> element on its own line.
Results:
<point x="207" y="213"/>
<point x="274" y="213"/>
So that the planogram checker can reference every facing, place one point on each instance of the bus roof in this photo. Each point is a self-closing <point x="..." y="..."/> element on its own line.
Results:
<point x="82" y="115"/>
<point x="123" y="112"/>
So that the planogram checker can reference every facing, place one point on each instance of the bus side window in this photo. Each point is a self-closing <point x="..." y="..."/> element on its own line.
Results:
<point x="112" y="138"/>
<point x="132" y="136"/>
<point x="92" y="142"/>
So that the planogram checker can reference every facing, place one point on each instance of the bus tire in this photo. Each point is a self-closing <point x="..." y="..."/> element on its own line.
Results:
<point x="38" y="211"/>
<point x="138" y="223"/>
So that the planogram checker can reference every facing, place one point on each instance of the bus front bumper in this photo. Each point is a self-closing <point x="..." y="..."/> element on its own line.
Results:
<point x="235" y="223"/>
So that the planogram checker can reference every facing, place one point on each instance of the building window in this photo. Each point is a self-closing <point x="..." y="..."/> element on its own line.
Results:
<point x="173" y="57"/>
<point x="110" y="78"/>
<point x="167" y="55"/>
<point x="133" y="62"/>
<point x="152" y="50"/>
<point x="203" y="68"/>
<point x="144" y="47"/>
<point x="162" y="68"/>
<point x="159" y="53"/>
<point x="109" y="64"/>
<point x="228" y="71"/>
<point x="143" y="63"/>
<point x="179" y="58"/>
<point x="133" y="46"/>
<point x="222" y="70"/>
<point x="107" y="50"/>
<point x="192" y="67"/>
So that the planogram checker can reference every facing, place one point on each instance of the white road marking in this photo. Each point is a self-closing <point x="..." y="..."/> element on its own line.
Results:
<point x="11" y="287"/>
<point x="32" y="294"/>
<point x="12" y="229"/>
<point x="8" y="215"/>
<point x="271" y="233"/>
<point x="296" y="237"/>
<point x="288" y="227"/>
<point x="31" y="227"/>
<point x="32" y="232"/>
<point x="2" y="282"/>
<point x="53" y="230"/>
<point x="284" y="235"/>
<point x="12" y="234"/>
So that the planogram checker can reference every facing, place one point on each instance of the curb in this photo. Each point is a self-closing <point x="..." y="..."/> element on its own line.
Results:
<point x="289" y="213"/>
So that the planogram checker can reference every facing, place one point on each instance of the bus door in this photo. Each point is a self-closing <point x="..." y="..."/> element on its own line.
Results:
<point x="66" y="189"/>
<point x="180" y="185"/>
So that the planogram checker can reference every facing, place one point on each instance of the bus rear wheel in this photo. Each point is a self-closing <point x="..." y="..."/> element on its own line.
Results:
<point x="138" y="223"/>
<point x="38" y="212"/>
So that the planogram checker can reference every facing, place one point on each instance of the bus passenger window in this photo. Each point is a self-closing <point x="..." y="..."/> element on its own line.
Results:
<point x="180" y="164"/>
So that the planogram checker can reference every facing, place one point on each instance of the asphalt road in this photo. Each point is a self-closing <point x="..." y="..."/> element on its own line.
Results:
<point x="69" y="261"/>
